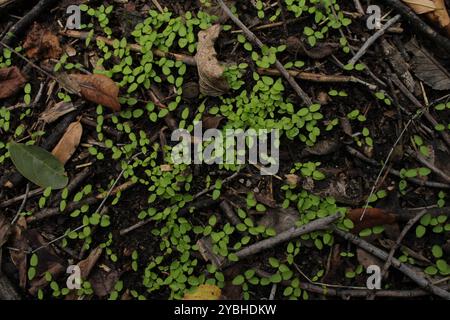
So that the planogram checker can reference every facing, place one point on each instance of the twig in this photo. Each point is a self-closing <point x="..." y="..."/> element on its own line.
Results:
<point x="158" y="6"/>
<point x="417" y="23"/>
<point x="73" y="184"/>
<point x="319" y="77"/>
<point x="372" y="39"/>
<point x="22" y="205"/>
<point x="396" y="173"/>
<point x="229" y="213"/>
<point x="429" y="165"/>
<point x="253" y="38"/>
<point x="189" y="60"/>
<point x="359" y="7"/>
<point x="225" y="181"/>
<point x="397" y="244"/>
<point x="319" y="224"/>
<point x="422" y="282"/>
<point x="23" y="23"/>
<point x="14" y="200"/>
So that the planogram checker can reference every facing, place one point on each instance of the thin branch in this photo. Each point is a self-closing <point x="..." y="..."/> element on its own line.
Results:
<point x="410" y="273"/>
<point x="253" y="38"/>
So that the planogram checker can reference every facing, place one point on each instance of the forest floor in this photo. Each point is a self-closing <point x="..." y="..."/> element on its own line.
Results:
<point x="359" y="95"/>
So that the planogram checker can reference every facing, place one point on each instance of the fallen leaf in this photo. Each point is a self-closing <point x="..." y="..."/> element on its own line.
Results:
<point x="279" y="219"/>
<point x="321" y="148"/>
<point x="69" y="142"/>
<point x="38" y="165"/>
<point x="56" y="111"/>
<point x="427" y="69"/>
<point x="434" y="10"/>
<point x="103" y="282"/>
<point x="87" y="264"/>
<point x="11" y="81"/>
<point x="204" y="292"/>
<point x="320" y="51"/>
<point x="19" y="257"/>
<point x="99" y="89"/>
<point x="41" y="43"/>
<point x="292" y="179"/>
<point x="211" y="122"/>
<point x="210" y="71"/>
<point x="366" y="259"/>
<point x="372" y="217"/>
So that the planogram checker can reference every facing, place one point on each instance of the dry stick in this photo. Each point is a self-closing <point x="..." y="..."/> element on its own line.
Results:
<point x="14" y="200"/>
<point x="418" y="105"/>
<point x="22" y="205"/>
<point x="396" y="173"/>
<point x="422" y="282"/>
<point x="189" y="60"/>
<point x="356" y="293"/>
<point x="417" y="23"/>
<point x="429" y="165"/>
<point x="397" y="244"/>
<point x="47" y="213"/>
<point x="23" y="23"/>
<point x="386" y="161"/>
<point x="319" y="224"/>
<point x="226" y="180"/>
<point x="318" y="77"/>
<point x="73" y="184"/>
<point x="372" y="40"/>
<point x="253" y="38"/>
<point x="229" y="213"/>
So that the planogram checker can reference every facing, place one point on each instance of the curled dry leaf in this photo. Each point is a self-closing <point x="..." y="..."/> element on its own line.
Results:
<point x="211" y="122"/>
<point x="88" y="264"/>
<point x="11" y="80"/>
<point x="321" y="148"/>
<point x="56" y="111"/>
<point x="204" y="292"/>
<point x="69" y="142"/>
<point x="427" y="69"/>
<point x="279" y="219"/>
<point x="98" y="88"/>
<point x="372" y="217"/>
<point x="434" y="10"/>
<point x="41" y="43"/>
<point x="210" y="70"/>
<point x="366" y="259"/>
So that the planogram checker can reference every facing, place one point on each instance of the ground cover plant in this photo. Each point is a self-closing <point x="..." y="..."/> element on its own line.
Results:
<point x="88" y="180"/>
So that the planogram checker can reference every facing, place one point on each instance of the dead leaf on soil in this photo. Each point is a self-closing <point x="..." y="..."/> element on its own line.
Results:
<point x="372" y="217"/>
<point x="99" y="89"/>
<point x="320" y="51"/>
<point x="69" y="142"/>
<point x="19" y="257"/>
<point x="210" y="70"/>
<point x="41" y="43"/>
<point x="56" y="111"/>
<point x="204" y="292"/>
<point x="88" y="264"/>
<point x="103" y="282"/>
<point x="366" y="259"/>
<point x="11" y="81"/>
<point x="211" y="122"/>
<point x="434" y="10"/>
<point x="279" y="219"/>
<point x="427" y="69"/>
<point x="321" y="148"/>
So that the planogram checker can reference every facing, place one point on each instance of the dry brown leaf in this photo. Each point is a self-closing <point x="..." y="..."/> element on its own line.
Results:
<point x="69" y="142"/>
<point x="11" y="80"/>
<point x="434" y="10"/>
<point x="87" y="264"/>
<point x="211" y="122"/>
<point x="103" y="282"/>
<point x="366" y="259"/>
<point x="41" y="43"/>
<point x="56" y="111"/>
<point x="99" y="89"/>
<point x="204" y="292"/>
<point x="372" y="217"/>
<point x="210" y="70"/>
<point x="427" y="69"/>
<point x="279" y="219"/>
<point x="321" y="148"/>
<point x="19" y="257"/>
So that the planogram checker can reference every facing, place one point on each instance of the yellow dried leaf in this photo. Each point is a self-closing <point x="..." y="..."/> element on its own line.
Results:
<point x="204" y="292"/>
